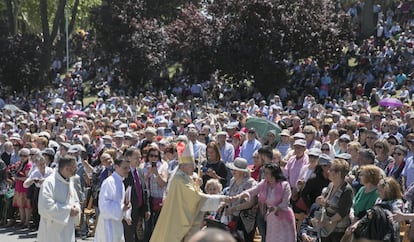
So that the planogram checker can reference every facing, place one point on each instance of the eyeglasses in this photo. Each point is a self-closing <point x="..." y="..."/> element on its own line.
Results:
<point x="398" y="153"/>
<point x="251" y="132"/>
<point x="313" y="157"/>
<point x="378" y="147"/>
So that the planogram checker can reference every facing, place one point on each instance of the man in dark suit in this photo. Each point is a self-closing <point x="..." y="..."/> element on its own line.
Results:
<point x="133" y="227"/>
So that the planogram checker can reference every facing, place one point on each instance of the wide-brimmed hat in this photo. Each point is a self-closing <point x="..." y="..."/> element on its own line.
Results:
<point x="49" y="151"/>
<point x="285" y="132"/>
<point x="239" y="164"/>
<point x="299" y="136"/>
<point x="325" y="159"/>
<point x="300" y="142"/>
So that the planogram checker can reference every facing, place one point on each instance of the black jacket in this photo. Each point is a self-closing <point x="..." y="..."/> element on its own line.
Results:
<point x="129" y="181"/>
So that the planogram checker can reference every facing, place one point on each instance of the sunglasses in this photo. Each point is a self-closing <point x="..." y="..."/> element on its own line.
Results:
<point x="325" y="149"/>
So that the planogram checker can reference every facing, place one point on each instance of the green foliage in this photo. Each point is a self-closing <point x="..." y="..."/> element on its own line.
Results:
<point x="31" y="17"/>
<point x="165" y="11"/>
<point x="192" y="41"/>
<point x="122" y="32"/>
<point x="19" y="61"/>
<point x="253" y="38"/>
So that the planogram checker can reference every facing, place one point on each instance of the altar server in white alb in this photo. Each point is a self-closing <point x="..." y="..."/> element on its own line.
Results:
<point x="59" y="206"/>
<point x="112" y="204"/>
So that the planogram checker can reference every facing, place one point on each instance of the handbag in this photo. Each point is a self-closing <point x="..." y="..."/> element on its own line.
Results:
<point x="375" y="225"/>
<point x="300" y="203"/>
<point x="410" y="232"/>
<point x="323" y="217"/>
<point x="9" y="194"/>
<point x="348" y="237"/>
<point x="156" y="203"/>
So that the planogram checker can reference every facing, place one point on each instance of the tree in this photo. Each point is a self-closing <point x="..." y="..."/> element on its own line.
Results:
<point x="193" y="41"/>
<point x="19" y="61"/>
<point x="123" y="33"/>
<point x="253" y="38"/>
<point x="44" y="18"/>
<point x="165" y="11"/>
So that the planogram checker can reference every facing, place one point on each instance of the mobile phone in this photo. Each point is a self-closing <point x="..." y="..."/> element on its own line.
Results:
<point x="154" y="164"/>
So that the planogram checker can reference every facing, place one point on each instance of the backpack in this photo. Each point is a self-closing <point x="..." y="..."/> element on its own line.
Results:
<point x="376" y="225"/>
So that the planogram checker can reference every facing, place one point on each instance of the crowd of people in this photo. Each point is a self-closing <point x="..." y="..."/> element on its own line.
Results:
<point x="338" y="160"/>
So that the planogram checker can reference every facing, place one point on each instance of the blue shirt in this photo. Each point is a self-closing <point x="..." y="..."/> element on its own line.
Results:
<point x="227" y="153"/>
<point x="199" y="147"/>
<point x="248" y="148"/>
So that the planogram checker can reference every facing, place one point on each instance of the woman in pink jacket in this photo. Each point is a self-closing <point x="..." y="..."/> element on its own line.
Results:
<point x="273" y="194"/>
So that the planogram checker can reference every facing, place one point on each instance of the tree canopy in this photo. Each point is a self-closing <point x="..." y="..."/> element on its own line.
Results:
<point x="241" y="39"/>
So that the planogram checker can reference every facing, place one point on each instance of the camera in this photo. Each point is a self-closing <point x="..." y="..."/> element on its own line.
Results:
<point x="153" y="164"/>
<point x="204" y="169"/>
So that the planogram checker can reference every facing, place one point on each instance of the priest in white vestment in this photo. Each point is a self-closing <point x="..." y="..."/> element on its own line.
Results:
<point x="59" y="205"/>
<point x="112" y="205"/>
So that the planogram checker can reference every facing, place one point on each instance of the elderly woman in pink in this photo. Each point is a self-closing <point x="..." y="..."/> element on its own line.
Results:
<point x="273" y="194"/>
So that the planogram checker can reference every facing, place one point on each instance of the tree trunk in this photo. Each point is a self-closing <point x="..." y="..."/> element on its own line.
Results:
<point x="45" y="60"/>
<point x="13" y="11"/>
<point x="49" y="37"/>
<point x="367" y="19"/>
<point x="10" y="19"/>
<point x="73" y="16"/>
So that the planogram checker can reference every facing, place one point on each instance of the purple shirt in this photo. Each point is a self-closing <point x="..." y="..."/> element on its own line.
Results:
<point x="293" y="168"/>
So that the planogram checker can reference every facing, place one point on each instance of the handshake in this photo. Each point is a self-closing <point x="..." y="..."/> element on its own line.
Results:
<point x="230" y="199"/>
